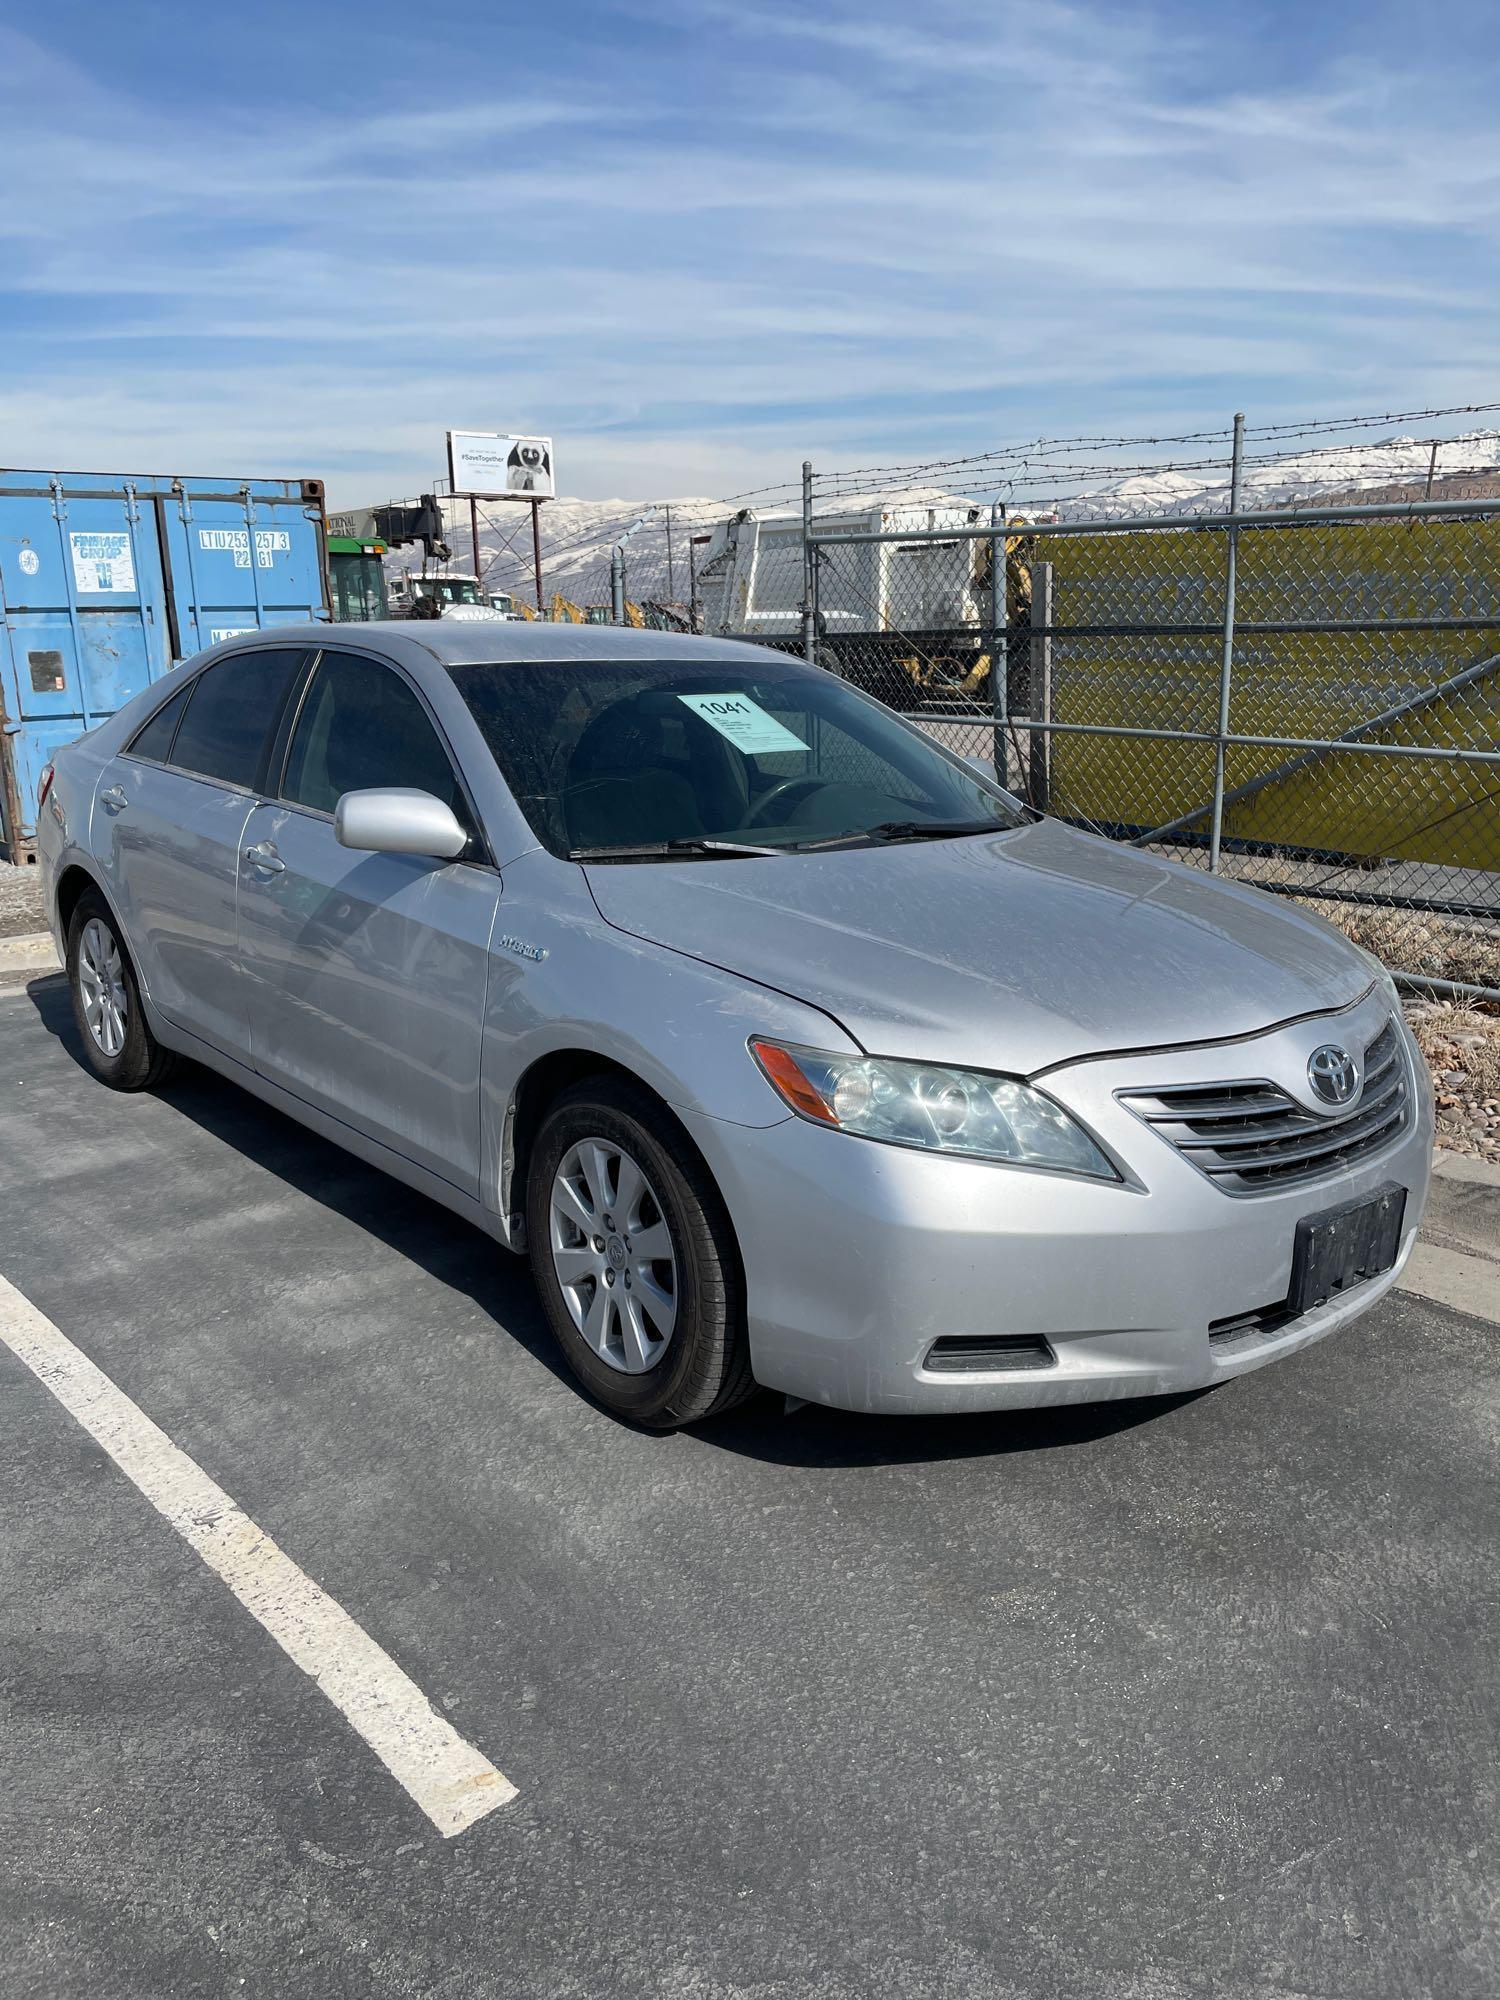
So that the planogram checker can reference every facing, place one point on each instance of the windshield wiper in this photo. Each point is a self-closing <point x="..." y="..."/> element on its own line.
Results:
<point x="669" y="850"/>
<point x="908" y="829"/>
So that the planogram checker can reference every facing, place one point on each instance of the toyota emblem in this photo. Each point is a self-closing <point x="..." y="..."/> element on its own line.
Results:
<point x="1333" y="1074"/>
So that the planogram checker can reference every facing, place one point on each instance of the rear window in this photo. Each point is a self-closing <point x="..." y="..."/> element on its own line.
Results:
<point x="155" y="739"/>
<point x="231" y="712"/>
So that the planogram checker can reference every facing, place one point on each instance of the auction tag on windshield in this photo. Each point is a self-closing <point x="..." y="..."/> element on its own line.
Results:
<point x="744" y="722"/>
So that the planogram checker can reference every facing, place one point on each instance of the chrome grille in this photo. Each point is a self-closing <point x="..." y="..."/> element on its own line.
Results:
<point x="1251" y="1137"/>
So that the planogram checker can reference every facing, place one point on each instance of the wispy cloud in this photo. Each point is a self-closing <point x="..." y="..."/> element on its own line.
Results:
<point x="699" y="241"/>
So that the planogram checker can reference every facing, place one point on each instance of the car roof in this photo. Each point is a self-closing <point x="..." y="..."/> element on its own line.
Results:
<point x="503" y="641"/>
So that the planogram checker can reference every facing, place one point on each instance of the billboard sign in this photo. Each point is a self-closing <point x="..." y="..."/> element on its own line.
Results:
<point x="493" y="466"/>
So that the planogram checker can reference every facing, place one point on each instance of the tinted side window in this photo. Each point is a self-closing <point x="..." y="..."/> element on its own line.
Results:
<point x="231" y="715"/>
<point x="154" y="738"/>
<point x="360" y="726"/>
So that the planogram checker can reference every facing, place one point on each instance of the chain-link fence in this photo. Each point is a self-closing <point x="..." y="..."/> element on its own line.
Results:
<point x="1271" y="651"/>
<point x="1307" y="699"/>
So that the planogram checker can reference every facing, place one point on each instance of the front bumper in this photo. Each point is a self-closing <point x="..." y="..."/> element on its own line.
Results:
<point x="858" y="1256"/>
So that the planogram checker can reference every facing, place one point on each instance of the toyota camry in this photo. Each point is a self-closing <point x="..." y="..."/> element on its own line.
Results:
<point x="789" y="1048"/>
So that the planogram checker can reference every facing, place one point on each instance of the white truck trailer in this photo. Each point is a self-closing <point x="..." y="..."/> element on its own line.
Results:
<point x="903" y="618"/>
<point x="750" y="578"/>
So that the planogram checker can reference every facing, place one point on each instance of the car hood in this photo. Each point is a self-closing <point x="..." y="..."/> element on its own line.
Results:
<point x="1013" y="951"/>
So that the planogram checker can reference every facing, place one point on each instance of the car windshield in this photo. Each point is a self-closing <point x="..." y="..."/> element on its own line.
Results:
<point x="653" y="760"/>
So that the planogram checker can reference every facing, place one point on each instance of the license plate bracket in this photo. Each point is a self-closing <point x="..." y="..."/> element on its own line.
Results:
<point x="1341" y="1247"/>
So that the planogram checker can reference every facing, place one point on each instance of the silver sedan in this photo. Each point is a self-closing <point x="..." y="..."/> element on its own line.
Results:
<point x="789" y="1047"/>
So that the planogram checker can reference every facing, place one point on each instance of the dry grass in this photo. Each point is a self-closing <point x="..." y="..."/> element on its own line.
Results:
<point x="1413" y="941"/>
<point x="1466" y="1043"/>
<point x="1462" y="1047"/>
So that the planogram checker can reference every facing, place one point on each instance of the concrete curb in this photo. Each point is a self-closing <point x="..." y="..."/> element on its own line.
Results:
<point x="1464" y="1167"/>
<point x="1457" y="1260"/>
<point x="33" y="952"/>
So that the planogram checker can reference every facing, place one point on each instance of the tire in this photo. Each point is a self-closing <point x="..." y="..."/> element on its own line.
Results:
<point x="702" y="1365"/>
<point x="118" y="1045"/>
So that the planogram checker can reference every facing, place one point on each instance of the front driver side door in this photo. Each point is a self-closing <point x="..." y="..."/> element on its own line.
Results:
<point x="366" y="972"/>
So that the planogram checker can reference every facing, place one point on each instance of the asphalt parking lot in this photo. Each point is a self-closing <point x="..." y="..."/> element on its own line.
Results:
<point x="1167" y="1699"/>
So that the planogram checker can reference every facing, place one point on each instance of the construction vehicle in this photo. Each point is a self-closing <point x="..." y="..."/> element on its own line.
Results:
<point x="904" y="619"/>
<point x="359" y="539"/>
<point x="661" y="614"/>
<point x="356" y="578"/>
<point x="439" y="593"/>
<point x="651" y="616"/>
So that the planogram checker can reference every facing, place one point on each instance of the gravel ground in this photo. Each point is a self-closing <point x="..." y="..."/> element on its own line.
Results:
<point x="1462" y="1046"/>
<point x="20" y="901"/>
<point x="1462" y="949"/>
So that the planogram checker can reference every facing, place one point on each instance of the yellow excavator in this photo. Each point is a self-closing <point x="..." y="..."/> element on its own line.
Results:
<point x="565" y="612"/>
<point x="948" y="677"/>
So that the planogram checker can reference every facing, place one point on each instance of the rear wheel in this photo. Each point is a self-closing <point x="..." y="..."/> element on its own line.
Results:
<point x="120" y="1048"/>
<point x="635" y="1259"/>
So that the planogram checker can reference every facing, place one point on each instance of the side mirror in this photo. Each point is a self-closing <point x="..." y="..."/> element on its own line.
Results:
<point x="397" y="821"/>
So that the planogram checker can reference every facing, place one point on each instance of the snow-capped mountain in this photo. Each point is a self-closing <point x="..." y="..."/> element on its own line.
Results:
<point x="1271" y="479"/>
<point x="577" y="539"/>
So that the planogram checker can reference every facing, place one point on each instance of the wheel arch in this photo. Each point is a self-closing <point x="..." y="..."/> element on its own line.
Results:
<point x="537" y="1088"/>
<point x="72" y="885"/>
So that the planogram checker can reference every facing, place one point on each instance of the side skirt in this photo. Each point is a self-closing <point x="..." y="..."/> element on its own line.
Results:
<point x="371" y="1151"/>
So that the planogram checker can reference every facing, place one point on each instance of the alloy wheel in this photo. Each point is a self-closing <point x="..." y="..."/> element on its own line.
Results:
<point x="101" y="978"/>
<point x="613" y="1254"/>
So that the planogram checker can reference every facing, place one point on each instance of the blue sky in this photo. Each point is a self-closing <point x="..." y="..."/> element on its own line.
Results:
<point x="700" y="241"/>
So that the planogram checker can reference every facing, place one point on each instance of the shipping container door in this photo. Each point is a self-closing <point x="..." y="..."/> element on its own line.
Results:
<point x="239" y="562"/>
<point x="84" y="615"/>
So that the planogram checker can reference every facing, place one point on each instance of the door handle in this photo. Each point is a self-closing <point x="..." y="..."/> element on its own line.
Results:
<point x="114" y="800"/>
<point x="264" y="856"/>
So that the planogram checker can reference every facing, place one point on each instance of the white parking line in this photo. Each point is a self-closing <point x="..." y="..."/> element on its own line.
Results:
<point x="446" y="1776"/>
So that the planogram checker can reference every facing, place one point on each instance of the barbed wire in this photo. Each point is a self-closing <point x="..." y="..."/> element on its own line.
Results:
<point x="1061" y="447"/>
<point x="1172" y="475"/>
<point x="1062" y="472"/>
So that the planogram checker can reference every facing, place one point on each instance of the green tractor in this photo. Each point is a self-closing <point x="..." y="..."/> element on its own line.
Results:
<point x="356" y="577"/>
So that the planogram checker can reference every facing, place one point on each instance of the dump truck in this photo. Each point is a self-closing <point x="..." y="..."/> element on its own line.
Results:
<point x="908" y="620"/>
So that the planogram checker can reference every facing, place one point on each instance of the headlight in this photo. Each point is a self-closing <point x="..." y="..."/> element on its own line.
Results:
<point x="929" y="1106"/>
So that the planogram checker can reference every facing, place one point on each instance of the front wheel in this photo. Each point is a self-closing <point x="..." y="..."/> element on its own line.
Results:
<point x="635" y="1259"/>
<point x="119" y="1046"/>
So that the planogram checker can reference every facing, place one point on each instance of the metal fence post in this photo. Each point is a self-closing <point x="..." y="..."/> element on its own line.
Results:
<point x="809" y="558"/>
<point x="1039" y="772"/>
<point x="1231" y="563"/>
<point x="617" y="584"/>
<point x="999" y="642"/>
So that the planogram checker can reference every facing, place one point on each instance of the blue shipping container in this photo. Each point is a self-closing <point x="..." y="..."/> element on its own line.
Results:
<point x="108" y="581"/>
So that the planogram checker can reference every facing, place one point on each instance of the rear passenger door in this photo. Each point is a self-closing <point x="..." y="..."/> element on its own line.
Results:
<point x="367" y="971"/>
<point x="168" y="826"/>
